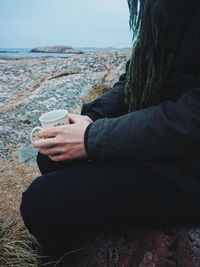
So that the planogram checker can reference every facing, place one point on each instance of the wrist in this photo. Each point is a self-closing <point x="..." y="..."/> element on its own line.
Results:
<point x="89" y="119"/>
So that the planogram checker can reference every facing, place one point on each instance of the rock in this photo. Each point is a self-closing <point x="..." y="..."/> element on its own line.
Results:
<point x="27" y="154"/>
<point x="137" y="248"/>
<point x="26" y="93"/>
<point x="21" y="118"/>
<point x="27" y="90"/>
<point x="114" y="73"/>
<point x="56" y="49"/>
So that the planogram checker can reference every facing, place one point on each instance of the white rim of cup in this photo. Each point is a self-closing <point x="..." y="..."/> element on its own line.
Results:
<point x="61" y="116"/>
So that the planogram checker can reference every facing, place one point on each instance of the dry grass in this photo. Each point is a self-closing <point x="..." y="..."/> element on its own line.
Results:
<point x="17" y="247"/>
<point x="14" y="179"/>
<point x="97" y="90"/>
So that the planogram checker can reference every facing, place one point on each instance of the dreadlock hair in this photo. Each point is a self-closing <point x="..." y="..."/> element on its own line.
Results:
<point x="158" y="27"/>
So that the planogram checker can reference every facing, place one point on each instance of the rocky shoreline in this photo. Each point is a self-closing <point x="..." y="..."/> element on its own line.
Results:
<point x="32" y="86"/>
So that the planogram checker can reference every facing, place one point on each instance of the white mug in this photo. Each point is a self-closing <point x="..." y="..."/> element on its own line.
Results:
<point x="52" y="118"/>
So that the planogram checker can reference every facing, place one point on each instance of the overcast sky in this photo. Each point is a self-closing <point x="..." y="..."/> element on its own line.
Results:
<point x="32" y="23"/>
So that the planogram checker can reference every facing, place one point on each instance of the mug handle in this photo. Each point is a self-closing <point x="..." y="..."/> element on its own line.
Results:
<point x="32" y="132"/>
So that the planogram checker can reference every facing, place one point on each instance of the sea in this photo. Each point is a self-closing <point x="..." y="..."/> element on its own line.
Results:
<point x="25" y="52"/>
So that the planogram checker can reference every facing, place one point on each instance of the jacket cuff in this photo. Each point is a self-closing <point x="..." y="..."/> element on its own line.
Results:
<point x="94" y="116"/>
<point x="97" y="139"/>
<point x="86" y="138"/>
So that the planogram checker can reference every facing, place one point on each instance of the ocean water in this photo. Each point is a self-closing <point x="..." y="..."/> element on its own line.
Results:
<point x="25" y="52"/>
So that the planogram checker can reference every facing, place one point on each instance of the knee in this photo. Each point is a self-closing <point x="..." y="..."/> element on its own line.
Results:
<point x="43" y="163"/>
<point x="33" y="209"/>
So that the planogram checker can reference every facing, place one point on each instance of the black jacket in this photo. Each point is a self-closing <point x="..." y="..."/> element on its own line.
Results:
<point x="167" y="136"/>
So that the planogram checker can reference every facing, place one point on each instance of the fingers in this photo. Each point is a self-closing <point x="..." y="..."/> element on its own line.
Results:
<point x="73" y="118"/>
<point x="49" y="142"/>
<point x="52" y="150"/>
<point x="61" y="157"/>
<point x="49" y="132"/>
<point x="49" y="136"/>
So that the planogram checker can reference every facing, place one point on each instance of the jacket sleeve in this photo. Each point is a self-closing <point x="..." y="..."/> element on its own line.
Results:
<point x="169" y="130"/>
<point x="110" y="104"/>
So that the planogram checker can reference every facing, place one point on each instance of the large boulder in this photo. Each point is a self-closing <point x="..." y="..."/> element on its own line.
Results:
<point x="56" y="49"/>
<point x="132" y="248"/>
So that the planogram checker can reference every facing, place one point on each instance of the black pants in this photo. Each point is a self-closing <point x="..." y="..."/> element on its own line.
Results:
<point x="83" y="195"/>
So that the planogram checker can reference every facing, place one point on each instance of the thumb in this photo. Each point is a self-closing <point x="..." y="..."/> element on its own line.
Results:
<point x="73" y="118"/>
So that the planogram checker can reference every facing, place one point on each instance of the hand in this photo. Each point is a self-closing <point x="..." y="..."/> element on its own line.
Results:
<point x="64" y="142"/>
<point x="78" y="116"/>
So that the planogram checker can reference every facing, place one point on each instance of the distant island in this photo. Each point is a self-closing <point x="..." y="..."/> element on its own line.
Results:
<point x="56" y="49"/>
<point x="5" y="51"/>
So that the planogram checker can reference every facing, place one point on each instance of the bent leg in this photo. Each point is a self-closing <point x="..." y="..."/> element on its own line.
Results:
<point x="46" y="165"/>
<point x="101" y="195"/>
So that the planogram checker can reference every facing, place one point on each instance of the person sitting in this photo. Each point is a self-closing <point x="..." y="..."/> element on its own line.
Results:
<point x="132" y="158"/>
